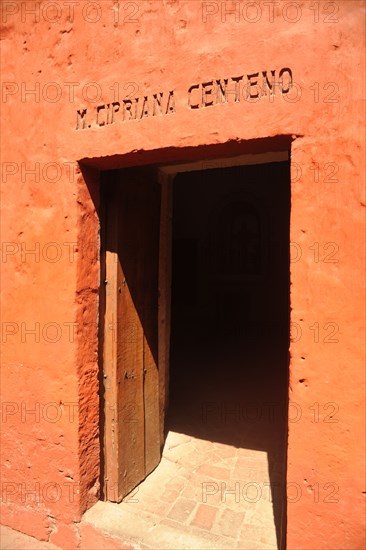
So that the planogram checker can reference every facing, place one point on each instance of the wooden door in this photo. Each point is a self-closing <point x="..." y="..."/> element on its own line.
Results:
<point x="131" y="377"/>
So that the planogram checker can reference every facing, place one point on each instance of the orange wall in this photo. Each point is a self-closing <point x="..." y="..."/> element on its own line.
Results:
<point x="136" y="50"/>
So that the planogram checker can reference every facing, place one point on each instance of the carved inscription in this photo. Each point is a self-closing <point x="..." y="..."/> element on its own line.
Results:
<point x="161" y="103"/>
<point x="239" y="88"/>
<point x="235" y="89"/>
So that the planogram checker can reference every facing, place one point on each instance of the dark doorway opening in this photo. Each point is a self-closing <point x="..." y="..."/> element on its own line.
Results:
<point x="230" y="320"/>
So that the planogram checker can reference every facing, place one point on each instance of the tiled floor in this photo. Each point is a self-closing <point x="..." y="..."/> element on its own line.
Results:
<point x="220" y="480"/>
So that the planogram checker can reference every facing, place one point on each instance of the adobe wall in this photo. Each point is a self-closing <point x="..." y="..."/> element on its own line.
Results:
<point x="97" y="58"/>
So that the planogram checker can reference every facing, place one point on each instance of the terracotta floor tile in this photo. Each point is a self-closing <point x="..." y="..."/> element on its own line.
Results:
<point x="151" y="505"/>
<point x="182" y="509"/>
<point x="229" y="523"/>
<point x="215" y="472"/>
<point x="205" y="516"/>
<point x="169" y="495"/>
<point x="176" y="484"/>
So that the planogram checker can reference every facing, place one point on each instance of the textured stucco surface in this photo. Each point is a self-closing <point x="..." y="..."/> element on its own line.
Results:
<point x="146" y="48"/>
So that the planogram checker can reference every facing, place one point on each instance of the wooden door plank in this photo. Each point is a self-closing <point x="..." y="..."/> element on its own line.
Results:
<point x="151" y="192"/>
<point x="130" y="341"/>
<point x="131" y="349"/>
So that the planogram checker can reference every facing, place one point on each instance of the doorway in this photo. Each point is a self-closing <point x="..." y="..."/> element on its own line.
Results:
<point x="230" y="333"/>
<point x="226" y="427"/>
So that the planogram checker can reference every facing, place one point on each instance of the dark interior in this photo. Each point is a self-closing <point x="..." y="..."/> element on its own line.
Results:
<point x="230" y="310"/>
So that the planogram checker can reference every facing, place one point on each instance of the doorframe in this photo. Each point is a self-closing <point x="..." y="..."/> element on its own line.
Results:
<point x="165" y="174"/>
